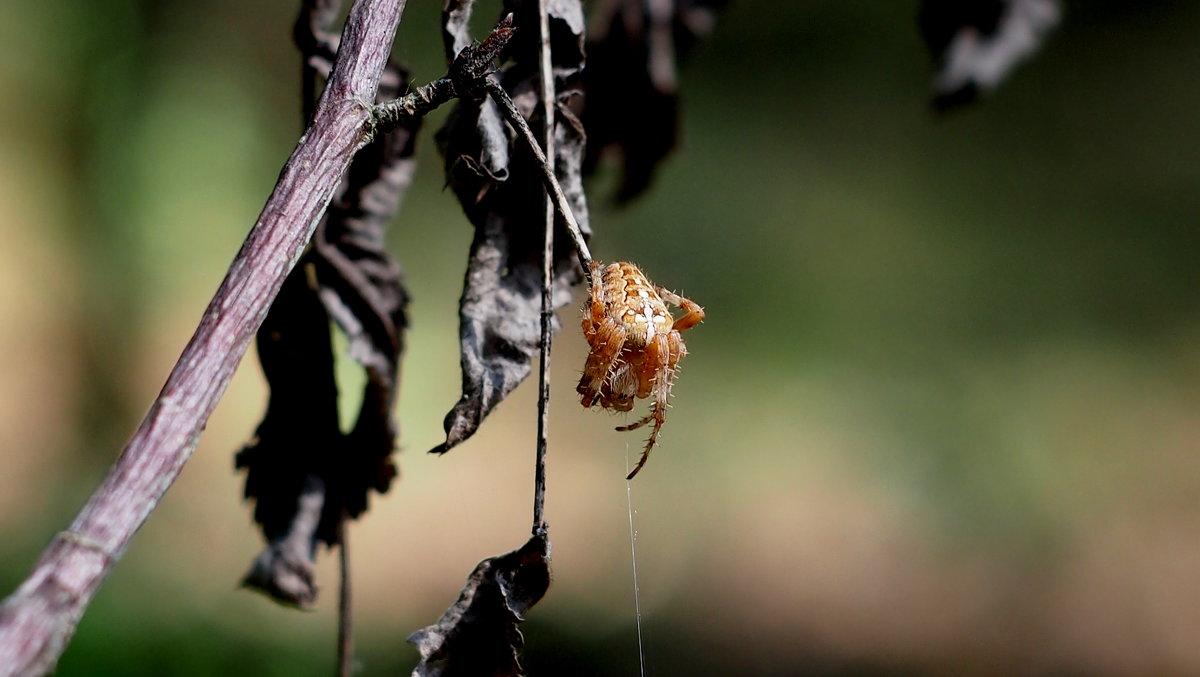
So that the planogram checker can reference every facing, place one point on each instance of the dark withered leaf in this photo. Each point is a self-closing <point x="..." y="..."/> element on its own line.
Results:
<point x="479" y="634"/>
<point x="313" y="33"/>
<point x="298" y="429"/>
<point x="305" y="475"/>
<point x="977" y="43"/>
<point x="500" y="191"/>
<point x="456" y="31"/>
<point x="362" y="288"/>
<point x="633" y="52"/>
<point x="284" y="570"/>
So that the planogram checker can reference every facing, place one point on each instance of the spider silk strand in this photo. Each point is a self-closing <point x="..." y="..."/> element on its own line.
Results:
<point x="637" y="591"/>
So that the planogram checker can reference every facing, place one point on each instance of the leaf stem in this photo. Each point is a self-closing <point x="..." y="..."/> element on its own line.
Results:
<point x="345" y="648"/>
<point x="546" y="73"/>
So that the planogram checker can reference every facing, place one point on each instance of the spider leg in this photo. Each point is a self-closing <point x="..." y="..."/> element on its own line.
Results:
<point x="594" y="311"/>
<point x="634" y="426"/>
<point x="662" y="354"/>
<point x="693" y="314"/>
<point x="606" y="342"/>
<point x="649" y="380"/>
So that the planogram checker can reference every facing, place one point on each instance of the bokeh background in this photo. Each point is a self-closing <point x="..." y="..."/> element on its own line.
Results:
<point x="944" y="416"/>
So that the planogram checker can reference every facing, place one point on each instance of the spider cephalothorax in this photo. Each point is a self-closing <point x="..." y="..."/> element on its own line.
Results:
<point x="635" y="345"/>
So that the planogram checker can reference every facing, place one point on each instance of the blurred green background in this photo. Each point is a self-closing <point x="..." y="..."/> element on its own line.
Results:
<point x="943" y="417"/>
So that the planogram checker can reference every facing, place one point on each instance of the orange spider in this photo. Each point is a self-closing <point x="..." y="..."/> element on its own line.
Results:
<point x="635" y="345"/>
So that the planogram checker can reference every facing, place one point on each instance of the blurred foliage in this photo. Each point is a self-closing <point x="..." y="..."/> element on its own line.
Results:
<point x="942" y="417"/>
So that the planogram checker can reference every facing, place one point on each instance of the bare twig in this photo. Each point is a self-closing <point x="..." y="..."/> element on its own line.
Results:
<point x="467" y="76"/>
<point x="345" y="649"/>
<point x="514" y="118"/>
<point x="39" y="618"/>
<point x="546" y="73"/>
<point x="415" y="104"/>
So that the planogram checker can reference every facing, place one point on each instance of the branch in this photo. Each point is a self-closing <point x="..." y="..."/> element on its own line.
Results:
<point x="37" y="621"/>
<point x="467" y="77"/>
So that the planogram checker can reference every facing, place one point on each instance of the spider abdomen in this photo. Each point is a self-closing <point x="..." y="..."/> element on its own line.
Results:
<point x="630" y="297"/>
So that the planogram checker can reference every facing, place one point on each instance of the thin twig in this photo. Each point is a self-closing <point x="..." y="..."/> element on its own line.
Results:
<point x="414" y="104"/>
<point x="546" y="73"/>
<point x="37" y="620"/>
<point x="467" y="77"/>
<point x="515" y="119"/>
<point x="345" y="648"/>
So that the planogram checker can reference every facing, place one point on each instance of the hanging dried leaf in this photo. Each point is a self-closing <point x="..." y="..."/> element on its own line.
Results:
<point x="479" y="634"/>
<point x="977" y="43"/>
<point x="300" y="426"/>
<point x="501" y="193"/>
<point x="303" y="473"/>
<point x="362" y="289"/>
<point x="633" y="52"/>
<point x="313" y="33"/>
<point x="284" y="570"/>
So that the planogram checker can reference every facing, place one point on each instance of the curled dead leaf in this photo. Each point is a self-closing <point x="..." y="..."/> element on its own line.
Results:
<point x="479" y="633"/>
<point x="304" y="474"/>
<point x="500" y="191"/>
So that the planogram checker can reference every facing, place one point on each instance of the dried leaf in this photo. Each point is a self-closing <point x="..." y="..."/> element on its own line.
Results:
<point x="300" y="428"/>
<point x="479" y="634"/>
<point x="362" y="289"/>
<point x="633" y="53"/>
<point x="500" y="191"/>
<point x="303" y="473"/>
<point x="285" y="569"/>
<point x="313" y="33"/>
<point x="978" y="43"/>
<point x="456" y="31"/>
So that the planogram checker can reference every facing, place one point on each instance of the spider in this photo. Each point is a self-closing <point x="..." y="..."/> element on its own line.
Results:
<point x="635" y="345"/>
